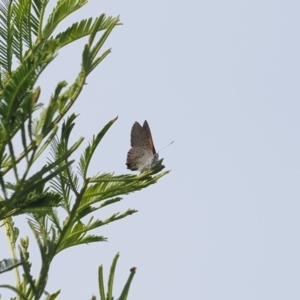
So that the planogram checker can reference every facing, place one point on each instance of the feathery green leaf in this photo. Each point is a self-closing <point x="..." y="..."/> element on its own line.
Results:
<point x="60" y="12"/>
<point x="86" y="157"/>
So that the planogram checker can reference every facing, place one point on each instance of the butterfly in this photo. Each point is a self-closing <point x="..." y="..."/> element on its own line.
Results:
<point x="142" y="155"/>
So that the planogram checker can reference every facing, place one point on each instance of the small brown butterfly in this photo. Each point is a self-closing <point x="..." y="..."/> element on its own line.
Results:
<point x="142" y="155"/>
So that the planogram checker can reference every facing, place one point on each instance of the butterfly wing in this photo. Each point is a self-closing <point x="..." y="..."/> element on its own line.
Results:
<point x="147" y="131"/>
<point x="138" y="137"/>
<point x="142" y="155"/>
<point x="139" y="159"/>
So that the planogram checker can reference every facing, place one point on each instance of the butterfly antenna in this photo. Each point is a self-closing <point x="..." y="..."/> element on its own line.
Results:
<point x="165" y="146"/>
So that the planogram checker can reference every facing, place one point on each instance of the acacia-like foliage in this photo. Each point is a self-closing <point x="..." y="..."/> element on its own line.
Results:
<point x="27" y="47"/>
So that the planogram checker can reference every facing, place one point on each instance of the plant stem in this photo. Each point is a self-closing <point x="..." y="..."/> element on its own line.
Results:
<point x="8" y="226"/>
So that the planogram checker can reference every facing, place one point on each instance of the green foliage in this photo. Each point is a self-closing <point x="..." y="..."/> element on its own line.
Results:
<point x="58" y="185"/>
<point x="109" y="294"/>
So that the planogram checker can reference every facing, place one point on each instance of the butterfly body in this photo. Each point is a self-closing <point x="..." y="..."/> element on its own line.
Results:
<point x="142" y="155"/>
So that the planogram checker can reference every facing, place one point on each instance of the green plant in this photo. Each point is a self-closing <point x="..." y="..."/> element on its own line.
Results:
<point x="56" y="186"/>
<point x="109" y="294"/>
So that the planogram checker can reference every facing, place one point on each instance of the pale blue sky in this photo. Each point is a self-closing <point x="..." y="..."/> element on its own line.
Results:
<point x="221" y="79"/>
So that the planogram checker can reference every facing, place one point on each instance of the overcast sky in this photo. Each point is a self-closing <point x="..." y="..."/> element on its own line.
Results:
<point x="221" y="79"/>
